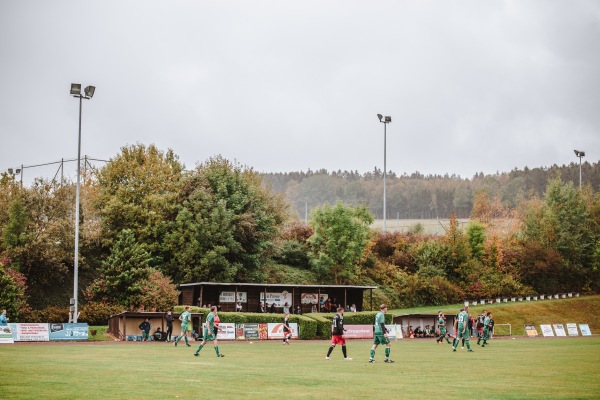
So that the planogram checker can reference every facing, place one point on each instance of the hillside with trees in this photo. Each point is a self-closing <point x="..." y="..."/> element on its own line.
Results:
<point x="147" y="224"/>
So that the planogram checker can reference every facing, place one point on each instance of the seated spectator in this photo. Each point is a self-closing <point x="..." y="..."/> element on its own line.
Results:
<point x="411" y="333"/>
<point x="353" y="308"/>
<point x="419" y="332"/>
<point x="298" y="310"/>
<point x="238" y="307"/>
<point x="159" y="335"/>
<point x="428" y="332"/>
<point x="272" y="309"/>
<point x="314" y="308"/>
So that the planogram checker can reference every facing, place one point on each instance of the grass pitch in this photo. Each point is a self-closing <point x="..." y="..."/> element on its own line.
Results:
<point x="541" y="368"/>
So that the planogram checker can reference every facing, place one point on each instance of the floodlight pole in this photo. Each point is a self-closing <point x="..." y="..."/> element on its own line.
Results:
<point x="579" y="154"/>
<point x="88" y="95"/>
<point x="385" y="120"/>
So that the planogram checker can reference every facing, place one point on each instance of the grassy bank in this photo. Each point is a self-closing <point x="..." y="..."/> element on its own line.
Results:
<point x="580" y="310"/>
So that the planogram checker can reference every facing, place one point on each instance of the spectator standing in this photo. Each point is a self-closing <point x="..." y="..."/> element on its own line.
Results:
<point x="209" y="333"/>
<point x="186" y="326"/>
<point x="381" y="336"/>
<point x="353" y="308"/>
<point x="286" y="308"/>
<point x="145" y="328"/>
<point x="272" y="309"/>
<point x="337" y="334"/>
<point x="3" y="318"/>
<point x="169" y="318"/>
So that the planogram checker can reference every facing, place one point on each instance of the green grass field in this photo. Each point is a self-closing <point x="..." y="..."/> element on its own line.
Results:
<point x="540" y="368"/>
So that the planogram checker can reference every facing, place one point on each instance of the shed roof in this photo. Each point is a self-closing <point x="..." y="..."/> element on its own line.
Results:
<point x="276" y="285"/>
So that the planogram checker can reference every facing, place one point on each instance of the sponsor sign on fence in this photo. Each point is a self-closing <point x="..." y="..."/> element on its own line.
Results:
<point x="547" y="330"/>
<point x="531" y="330"/>
<point x="6" y="336"/>
<point x="226" y="331"/>
<point x="61" y="331"/>
<point x="572" y="329"/>
<point x="32" y="332"/>
<point x="395" y="331"/>
<point x="559" y="329"/>
<point x="229" y="297"/>
<point x="309" y="298"/>
<point x="278" y="298"/>
<point x="275" y="330"/>
<point x="358" y="331"/>
<point x="251" y="331"/>
<point x="585" y="330"/>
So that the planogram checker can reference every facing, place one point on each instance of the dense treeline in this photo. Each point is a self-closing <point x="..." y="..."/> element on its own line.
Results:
<point x="148" y="224"/>
<point x="417" y="195"/>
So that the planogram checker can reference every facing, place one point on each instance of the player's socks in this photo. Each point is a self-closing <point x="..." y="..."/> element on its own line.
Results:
<point x="468" y="345"/>
<point x="217" y="351"/>
<point x="199" y="348"/>
<point x="387" y="352"/>
<point x="331" y="349"/>
<point x="186" y="341"/>
<point x="343" y="351"/>
<point x="372" y="354"/>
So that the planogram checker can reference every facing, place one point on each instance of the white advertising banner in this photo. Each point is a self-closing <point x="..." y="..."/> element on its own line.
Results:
<point x="585" y="330"/>
<point x="395" y="331"/>
<point x="6" y="336"/>
<point x="309" y="298"/>
<point x="572" y="329"/>
<point x="226" y="331"/>
<point x="275" y="330"/>
<point x="547" y="330"/>
<point x="559" y="329"/>
<point x="278" y="298"/>
<point x="229" y="297"/>
<point x="31" y="332"/>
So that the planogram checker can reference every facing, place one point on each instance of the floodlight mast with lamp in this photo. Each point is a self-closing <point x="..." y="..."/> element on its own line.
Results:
<point x="89" y="93"/>
<point x="384" y="120"/>
<point x="580" y="154"/>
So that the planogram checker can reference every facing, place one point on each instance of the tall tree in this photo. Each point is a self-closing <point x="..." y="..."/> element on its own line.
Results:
<point x="139" y="190"/>
<point x="225" y="224"/>
<point x="338" y="244"/>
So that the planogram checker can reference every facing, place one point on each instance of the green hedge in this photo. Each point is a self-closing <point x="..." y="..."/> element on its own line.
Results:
<point x="307" y="326"/>
<point x="323" y="324"/>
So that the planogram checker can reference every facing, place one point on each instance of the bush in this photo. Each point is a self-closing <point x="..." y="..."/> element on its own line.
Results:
<point x="97" y="313"/>
<point x="306" y="326"/>
<point x="323" y="324"/>
<point x="49" y="314"/>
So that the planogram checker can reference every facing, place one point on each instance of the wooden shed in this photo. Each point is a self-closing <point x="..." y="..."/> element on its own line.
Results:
<point x="127" y="323"/>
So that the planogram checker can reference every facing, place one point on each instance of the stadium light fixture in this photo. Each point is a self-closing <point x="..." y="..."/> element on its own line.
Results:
<point x="579" y="154"/>
<point x="89" y="93"/>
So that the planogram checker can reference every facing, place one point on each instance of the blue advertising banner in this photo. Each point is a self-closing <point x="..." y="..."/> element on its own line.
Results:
<point x="60" y="331"/>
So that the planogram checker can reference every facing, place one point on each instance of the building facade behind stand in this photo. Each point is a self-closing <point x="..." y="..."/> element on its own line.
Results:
<point x="311" y="298"/>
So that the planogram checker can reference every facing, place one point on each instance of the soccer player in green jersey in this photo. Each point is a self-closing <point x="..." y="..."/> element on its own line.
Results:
<point x="186" y="324"/>
<point x="463" y="329"/>
<point x="210" y="333"/>
<point x="487" y="326"/>
<point x="442" y="328"/>
<point x="381" y="336"/>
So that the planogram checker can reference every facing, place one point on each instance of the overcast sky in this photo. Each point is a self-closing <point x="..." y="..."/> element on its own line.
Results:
<point x="471" y="86"/>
